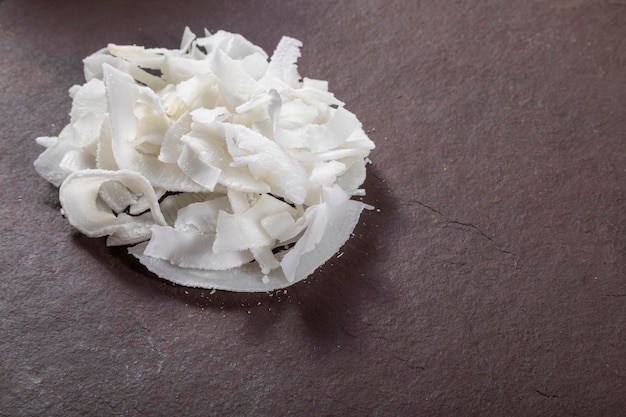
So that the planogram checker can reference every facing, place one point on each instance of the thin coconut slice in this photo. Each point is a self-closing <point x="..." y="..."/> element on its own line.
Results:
<point x="296" y="113"/>
<point x="353" y="177"/>
<point x="306" y="256"/>
<point x="79" y="194"/>
<point x="201" y="92"/>
<point x="201" y="217"/>
<point x="177" y="69"/>
<point x="283" y="62"/>
<point x="265" y="258"/>
<point x="198" y="167"/>
<point x="136" y="229"/>
<point x="234" y="45"/>
<point x="173" y="203"/>
<point x="94" y="65"/>
<point x="77" y="160"/>
<point x="116" y="195"/>
<point x="138" y="55"/>
<point x="324" y="137"/>
<point x="281" y="226"/>
<point x="244" y="230"/>
<point x="48" y="164"/>
<point x="171" y="147"/>
<point x="269" y="163"/>
<point x="88" y="111"/>
<point x="122" y="93"/>
<point x="105" y="159"/>
<point x="236" y="85"/>
<point x="207" y="162"/>
<point x="187" y="40"/>
<point x="191" y="250"/>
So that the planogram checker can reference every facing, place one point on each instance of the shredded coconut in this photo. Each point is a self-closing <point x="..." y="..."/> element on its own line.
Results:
<point x="222" y="168"/>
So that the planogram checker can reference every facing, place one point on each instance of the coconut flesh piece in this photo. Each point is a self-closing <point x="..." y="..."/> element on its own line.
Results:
<point x="222" y="169"/>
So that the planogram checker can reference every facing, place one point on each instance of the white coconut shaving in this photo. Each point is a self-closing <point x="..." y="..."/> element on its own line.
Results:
<point x="219" y="167"/>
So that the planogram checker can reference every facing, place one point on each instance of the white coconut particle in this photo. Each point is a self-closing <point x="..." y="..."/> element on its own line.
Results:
<point x="222" y="168"/>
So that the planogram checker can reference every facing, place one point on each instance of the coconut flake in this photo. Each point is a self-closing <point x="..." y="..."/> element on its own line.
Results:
<point x="224" y="169"/>
<point x="201" y="217"/>
<point x="283" y="62"/>
<point x="79" y="195"/>
<point x="280" y="226"/>
<point x="244" y="230"/>
<point x="191" y="250"/>
<point x="267" y="162"/>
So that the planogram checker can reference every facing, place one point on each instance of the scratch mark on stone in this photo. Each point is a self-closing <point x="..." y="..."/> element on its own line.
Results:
<point x="459" y="264"/>
<point x="426" y="206"/>
<point x="459" y="225"/>
<point x="544" y="394"/>
<point x="471" y="226"/>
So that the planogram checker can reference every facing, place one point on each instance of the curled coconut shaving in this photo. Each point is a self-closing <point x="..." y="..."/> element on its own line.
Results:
<point x="224" y="169"/>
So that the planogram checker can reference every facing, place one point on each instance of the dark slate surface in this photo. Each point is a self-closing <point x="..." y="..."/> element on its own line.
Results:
<point x="492" y="282"/>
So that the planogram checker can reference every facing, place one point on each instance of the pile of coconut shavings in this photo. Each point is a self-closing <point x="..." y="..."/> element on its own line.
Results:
<point x="222" y="168"/>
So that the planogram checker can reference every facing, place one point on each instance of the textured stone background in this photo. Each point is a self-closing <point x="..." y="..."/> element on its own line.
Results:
<point x="492" y="282"/>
